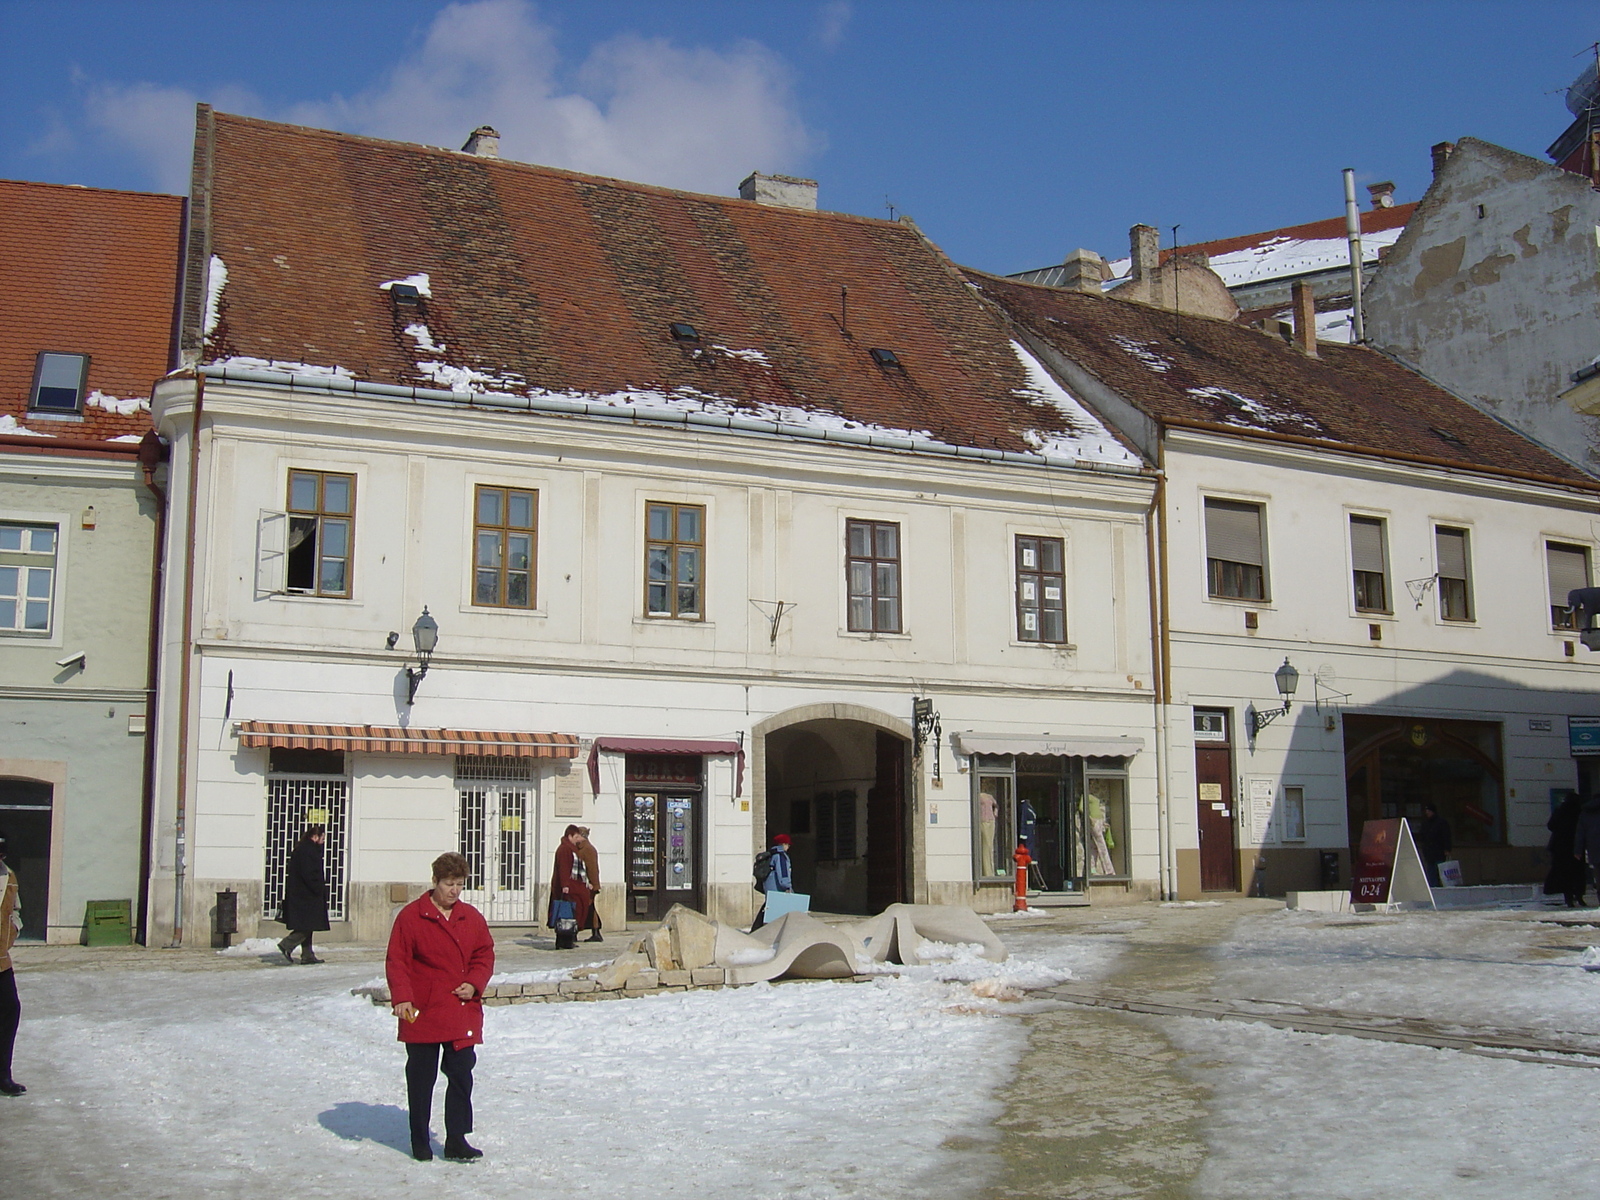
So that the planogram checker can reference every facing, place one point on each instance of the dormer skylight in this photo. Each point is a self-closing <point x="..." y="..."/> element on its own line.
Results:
<point x="405" y="295"/>
<point x="682" y="331"/>
<point x="58" y="382"/>
<point x="1447" y="436"/>
<point x="887" y="359"/>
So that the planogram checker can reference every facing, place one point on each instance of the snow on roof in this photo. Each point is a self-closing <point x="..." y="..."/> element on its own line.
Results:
<point x="418" y="281"/>
<point x="216" y="280"/>
<point x="8" y="424"/>
<point x="1089" y="440"/>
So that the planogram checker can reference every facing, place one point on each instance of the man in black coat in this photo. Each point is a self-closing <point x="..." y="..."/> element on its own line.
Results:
<point x="305" y="896"/>
<point x="1586" y="838"/>
<point x="1433" y="840"/>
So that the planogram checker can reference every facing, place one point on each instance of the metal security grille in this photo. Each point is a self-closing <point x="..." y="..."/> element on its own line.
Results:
<point x="293" y="802"/>
<point x="494" y="818"/>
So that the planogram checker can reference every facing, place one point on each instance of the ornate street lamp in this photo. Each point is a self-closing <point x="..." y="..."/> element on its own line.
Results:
<point x="425" y="634"/>
<point x="1287" y="679"/>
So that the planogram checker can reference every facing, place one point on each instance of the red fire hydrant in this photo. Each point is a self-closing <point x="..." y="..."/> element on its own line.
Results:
<point x="1024" y="860"/>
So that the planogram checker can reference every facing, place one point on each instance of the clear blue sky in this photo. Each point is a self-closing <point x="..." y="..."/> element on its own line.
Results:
<point x="1011" y="131"/>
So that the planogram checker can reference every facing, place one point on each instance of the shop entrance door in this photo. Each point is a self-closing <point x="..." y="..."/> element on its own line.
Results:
<point x="494" y="841"/>
<point x="665" y="834"/>
<point x="886" y="826"/>
<point x="1214" y="808"/>
<point x="25" y="811"/>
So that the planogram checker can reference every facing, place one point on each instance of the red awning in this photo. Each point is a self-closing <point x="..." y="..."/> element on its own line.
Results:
<point x="393" y="739"/>
<point x="624" y="745"/>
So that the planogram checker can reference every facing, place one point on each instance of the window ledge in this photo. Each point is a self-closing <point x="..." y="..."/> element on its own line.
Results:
<point x="54" y="414"/>
<point x="1232" y="602"/>
<point x="503" y="609"/>
<point x="676" y="622"/>
<point x="308" y="598"/>
<point x="1068" y="647"/>
<point x="862" y="635"/>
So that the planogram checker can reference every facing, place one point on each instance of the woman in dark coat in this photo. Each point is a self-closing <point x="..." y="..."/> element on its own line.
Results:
<point x="567" y="883"/>
<point x="1566" y="871"/>
<point x="305" y="896"/>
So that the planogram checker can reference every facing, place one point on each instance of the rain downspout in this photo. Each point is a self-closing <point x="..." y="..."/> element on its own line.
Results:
<point x="180" y="830"/>
<point x="152" y="453"/>
<point x="1352" y="229"/>
<point x="1155" y="551"/>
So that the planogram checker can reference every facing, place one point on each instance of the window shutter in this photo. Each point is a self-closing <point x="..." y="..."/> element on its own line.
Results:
<point x="1569" y="570"/>
<point x="1366" y="544"/>
<point x="1452" y="547"/>
<point x="272" y="546"/>
<point x="1233" y="531"/>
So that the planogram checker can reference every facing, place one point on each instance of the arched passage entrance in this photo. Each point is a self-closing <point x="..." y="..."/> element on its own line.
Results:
<point x="835" y="778"/>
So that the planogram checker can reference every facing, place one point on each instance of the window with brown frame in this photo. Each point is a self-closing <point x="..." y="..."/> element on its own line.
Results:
<point x="674" y="560"/>
<point x="322" y="509"/>
<point x="1041" y="589"/>
<point x="1455" y="580"/>
<point x="505" y="539"/>
<point x="1235" y="564"/>
<point x="872" y="576"/>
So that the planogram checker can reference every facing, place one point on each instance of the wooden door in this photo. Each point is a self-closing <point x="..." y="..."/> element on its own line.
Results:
<point x="1219" y="861"/>
<point x="886" y="826"/>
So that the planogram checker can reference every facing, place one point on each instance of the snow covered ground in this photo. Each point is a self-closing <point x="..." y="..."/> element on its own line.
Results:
<point x="249" y="1080"/>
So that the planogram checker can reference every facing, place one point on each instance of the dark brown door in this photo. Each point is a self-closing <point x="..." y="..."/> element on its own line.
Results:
<point x="1213" y="772"/>
<point x="886" y="826"/>
<point x="663" y="852"/>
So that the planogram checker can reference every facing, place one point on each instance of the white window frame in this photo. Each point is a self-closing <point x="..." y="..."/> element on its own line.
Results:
<point x="61" y="521"/>
<point x="1468" y="553"/>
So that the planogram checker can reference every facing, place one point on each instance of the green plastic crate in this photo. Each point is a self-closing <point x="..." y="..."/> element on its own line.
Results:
<point x="108" y="923"/>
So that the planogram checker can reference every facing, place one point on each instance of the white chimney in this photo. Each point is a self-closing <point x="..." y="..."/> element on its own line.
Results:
<point x="1083" y="271"/>
<point x="1382" y="194"/>
<point x="1144" y="243"/>
<point x="782" y="191"/>
<point x="484" y="142"/>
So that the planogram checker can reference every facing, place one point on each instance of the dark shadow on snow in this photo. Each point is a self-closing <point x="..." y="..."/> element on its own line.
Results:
<point x="356" y="1121"/>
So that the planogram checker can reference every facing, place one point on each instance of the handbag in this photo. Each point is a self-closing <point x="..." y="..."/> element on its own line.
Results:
<point x="563" y="917"/>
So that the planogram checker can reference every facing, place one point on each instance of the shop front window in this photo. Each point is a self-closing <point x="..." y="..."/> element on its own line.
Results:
<point x="1106" y="804"/>
<point x="997" y="838"/>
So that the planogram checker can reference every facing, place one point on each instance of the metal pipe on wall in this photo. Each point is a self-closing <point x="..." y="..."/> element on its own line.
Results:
<point x="180" y="831"/>
<point x="1352" y="229"/>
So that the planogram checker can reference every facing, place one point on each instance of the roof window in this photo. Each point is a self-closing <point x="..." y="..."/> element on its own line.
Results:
<point x="887" y="359"/>
<point x="405" y="295"/>
<point x="58" y="382"/>
<point x="1446" y="435"/>
<point x="682" y="331"/>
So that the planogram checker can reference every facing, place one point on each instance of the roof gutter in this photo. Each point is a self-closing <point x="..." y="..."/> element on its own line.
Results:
<point x="637" y="414"/>
<point x="79" y="445"/>
<point x="1292" y="439"/>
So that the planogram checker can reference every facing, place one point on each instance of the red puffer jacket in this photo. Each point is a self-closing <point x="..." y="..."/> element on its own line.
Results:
<point x="429" y="957"/>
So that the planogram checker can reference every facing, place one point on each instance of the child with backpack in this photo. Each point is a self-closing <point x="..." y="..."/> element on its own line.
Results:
<point x="772" y="873"/>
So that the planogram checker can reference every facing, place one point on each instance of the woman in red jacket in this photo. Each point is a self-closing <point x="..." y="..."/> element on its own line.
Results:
<point x="440" y="960"/>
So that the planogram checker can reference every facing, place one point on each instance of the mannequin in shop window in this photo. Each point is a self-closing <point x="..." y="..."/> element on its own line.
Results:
<point x="1101" y="840"/>
<point x="988" y="814"/>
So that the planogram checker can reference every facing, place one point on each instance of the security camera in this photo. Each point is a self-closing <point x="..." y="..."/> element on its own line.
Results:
<point x="80" y="658"/>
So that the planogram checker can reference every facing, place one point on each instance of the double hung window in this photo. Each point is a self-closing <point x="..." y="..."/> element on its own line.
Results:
<point x="27" y="578"/>
<point x="674" y="562"/>
<point x="504" y="532"/>
<point x="322" y="508"/>
<point x="1041" y="590"/>
<point x="1568" y="569"/>
<point x="1455" y="581"/>
<point x="872" y="575"/>
<point x="1367" y="562"/>
<point x="1235" y="564"/>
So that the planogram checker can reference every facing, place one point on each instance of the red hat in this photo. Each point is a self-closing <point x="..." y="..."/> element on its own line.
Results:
<point x="781" y="840"/>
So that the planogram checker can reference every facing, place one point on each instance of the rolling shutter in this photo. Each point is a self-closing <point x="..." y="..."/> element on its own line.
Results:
<point x="1568" y="569"/>
<point x="1233" y="531"/>
<point x="1366" y="544"/>
<point x="1452" y="547"/>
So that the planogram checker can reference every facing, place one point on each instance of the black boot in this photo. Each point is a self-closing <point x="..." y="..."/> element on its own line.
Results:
<point x="10" y="1087"/>
<point x="460" y="1151"/>
<point x="421" y="1151"/>
<point x="594" y="937"/>
<point x="286" y="948"/>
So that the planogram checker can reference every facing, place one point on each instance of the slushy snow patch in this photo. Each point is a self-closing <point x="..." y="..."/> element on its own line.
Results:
<point x="216" y="280"/>
<point x="418" y="281"/>
<point x="125" y="408"/>
<point x="1144" y="352"/>
<point x="423" y="336"/>
<point x="1254" y="413"/>
<point x="8" y="424"/>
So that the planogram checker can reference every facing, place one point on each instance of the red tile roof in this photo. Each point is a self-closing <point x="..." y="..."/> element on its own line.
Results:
<point x="87" y="271"/>
<point x="548" y="279"/>
<point x="1178" y="368"/>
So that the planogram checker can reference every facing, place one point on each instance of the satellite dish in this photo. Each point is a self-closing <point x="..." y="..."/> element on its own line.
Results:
<point x="1327" y="676"/>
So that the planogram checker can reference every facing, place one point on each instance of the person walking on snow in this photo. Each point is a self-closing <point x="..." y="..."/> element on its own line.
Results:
<point x="441" y="956"/>
<point x="780" y="877"/>
<point x="567" y="882"/>
<point x="1586" y="839"/>
<point x="1566" y="875"/>
<point x="10" y="1005"/>
<point x="305" y="896"/>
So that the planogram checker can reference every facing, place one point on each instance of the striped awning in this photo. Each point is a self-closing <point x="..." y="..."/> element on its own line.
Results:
<point x="392" y="739"/>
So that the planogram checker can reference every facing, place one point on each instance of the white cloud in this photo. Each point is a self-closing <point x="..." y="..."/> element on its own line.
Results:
<point x="641" y="109"/>
<point x="832" y="20"/>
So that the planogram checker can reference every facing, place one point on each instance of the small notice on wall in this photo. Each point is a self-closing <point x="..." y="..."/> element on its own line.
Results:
<point x="1262" y="793"/>
<point x="1388" y="867"/>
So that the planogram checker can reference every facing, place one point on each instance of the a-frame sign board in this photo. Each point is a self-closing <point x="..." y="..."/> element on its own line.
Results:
<point x="1388" y="868"/>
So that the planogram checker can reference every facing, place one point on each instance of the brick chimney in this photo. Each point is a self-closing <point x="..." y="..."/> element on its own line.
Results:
<point x="1084" y="271"/>
<point x="1382" y="194"/>
<point x="1303" y="307"/>
<point x="1144" y="245"/>
<point x="484" y="142"/>
<point x="1441" y="153"/>
<point x="781" y="191"/>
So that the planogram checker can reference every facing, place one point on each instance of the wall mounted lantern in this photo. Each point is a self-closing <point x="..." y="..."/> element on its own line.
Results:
<point x="1287" y="679"/>
<point x="925" y="725"/>
<point x="425" y="633"/>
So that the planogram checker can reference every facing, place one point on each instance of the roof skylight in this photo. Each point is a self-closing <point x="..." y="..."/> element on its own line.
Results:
<point x="886" y="359"/>
<point x="682" y="331"/>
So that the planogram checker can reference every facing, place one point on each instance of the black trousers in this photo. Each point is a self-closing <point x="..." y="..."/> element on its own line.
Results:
<point x="422" y="1069"/>
<point x="301" y="938"/>
<point x="10" y="1016"/>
